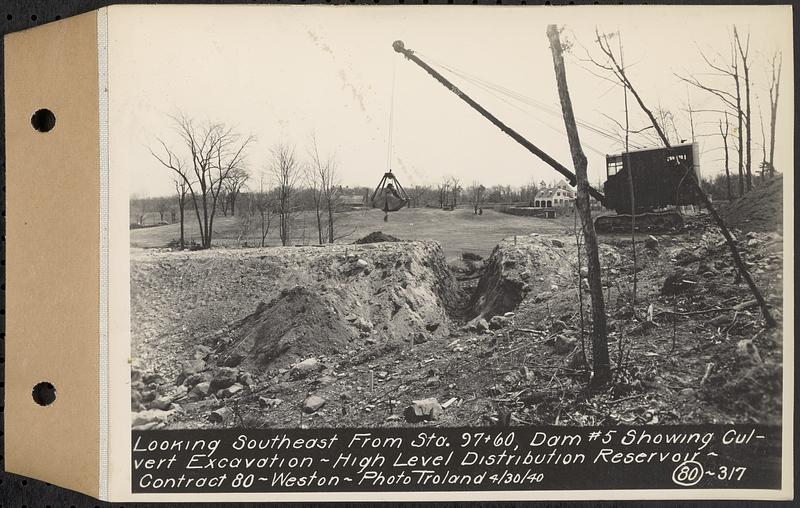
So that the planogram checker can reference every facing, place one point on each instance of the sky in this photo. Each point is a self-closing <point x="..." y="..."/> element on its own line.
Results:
<point x="286" y="73"/>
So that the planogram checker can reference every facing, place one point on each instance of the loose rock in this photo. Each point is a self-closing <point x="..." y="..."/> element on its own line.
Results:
<point x="306" y="367"/>
<point x="233" y="360"/>
<point x="222" y="415"/>
<point x="268" y="403"/>
<point x="162" y="403"/>
<point x="151" y="416"/>
<point x="223" y="377"/>
<point x="200" y="390"/>
<point x="313" y="403"/>
<point x="423" y="410"/>
<point x="230" y="391"/>
<point x="190" y="368"/>
<point x="192" y="380"/>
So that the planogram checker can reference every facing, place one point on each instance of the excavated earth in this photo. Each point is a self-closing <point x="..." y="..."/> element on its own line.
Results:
<point x="761" y="209"/>
<point x="352" y="335"/>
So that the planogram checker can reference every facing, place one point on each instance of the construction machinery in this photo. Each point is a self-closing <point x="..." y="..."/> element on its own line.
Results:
<point x="660" y="176"/>
<point x="660" y="183"/>
<point x="389" y="195"/>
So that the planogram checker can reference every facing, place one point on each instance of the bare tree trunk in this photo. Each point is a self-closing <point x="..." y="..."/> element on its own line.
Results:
<point x="739" y="120"/>
<point x="580" y="283"/>
<point x="331" y="231"/>
<point x="319" y="225"/>
<point x="204" y="232"/>
<point x="724" y="135"/>
<point x="630" y="181"/>
<point x="182" y="231"/>
<point x="763" y="146"/>
<point x="600" y="359"/>
<point x="209" y="229"/>
<point x="773" y="99"/>
<point x="744" y="53"/>
<point x="748" y="123"/>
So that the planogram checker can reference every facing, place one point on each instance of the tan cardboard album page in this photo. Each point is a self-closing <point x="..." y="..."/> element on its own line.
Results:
<point x="52" y="254"/>
<point x="389" y="295"/>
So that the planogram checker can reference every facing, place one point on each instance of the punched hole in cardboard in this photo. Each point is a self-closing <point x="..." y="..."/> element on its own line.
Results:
<point x="44" y="393"/>
<point x="43" y="120"/>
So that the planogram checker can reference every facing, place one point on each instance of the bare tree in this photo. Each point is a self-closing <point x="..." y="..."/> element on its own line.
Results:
<point x="764" y="167"/>
<point x="181" y="191"/>
<point x="214" y="152"/>
<point x="613" y="66"/>
<point x="162" y="205"/>
<point x="774" y="89"/>
<point x="731" y="100"/>
<point x="744" y="53"/>
<point x="666" y="120"/>
<point x="233" y="186"/>
<point x="229" y="161"/>
<point x="245" y="223"/>
<point x="224" y="202"/>
<point x="264" y="205"/>
<point x="443" y="190"/>
<point x="724" y="134"/>
<point x="528" y="191"/>
<point x="332" y="197"/>
<point x="285" y="174"/>
<point x="330" y="192"/>
<point x="314" y="184"/>
<point x="455" y="189"/>
<point x="476" y="196"/>
<point x="600" y="358"/>
<point x="630" y="178"/>
<point x="416" y="195"/>
<point x="739" y="119"/>
<point x="141" y="209"/>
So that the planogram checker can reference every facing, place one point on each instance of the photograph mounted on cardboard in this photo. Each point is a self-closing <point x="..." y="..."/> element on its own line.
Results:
<point x="359" y="217"/>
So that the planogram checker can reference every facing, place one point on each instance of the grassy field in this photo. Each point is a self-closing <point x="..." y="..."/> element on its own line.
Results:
<point x="458" y="231"/>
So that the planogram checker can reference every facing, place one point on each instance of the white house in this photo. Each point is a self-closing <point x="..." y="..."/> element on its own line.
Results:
<point x="554" y="197"/>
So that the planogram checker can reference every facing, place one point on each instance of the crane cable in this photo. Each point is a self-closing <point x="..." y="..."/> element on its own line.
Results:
<point x="530" y="101"/>
<point x="391" y="116"/>
<point x="543" y="122"/>
<point x="547" y="109"/>
<point x="489" y="90"/>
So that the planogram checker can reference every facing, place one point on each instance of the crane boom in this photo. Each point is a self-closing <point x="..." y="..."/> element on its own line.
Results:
<point x="569" y="175"/>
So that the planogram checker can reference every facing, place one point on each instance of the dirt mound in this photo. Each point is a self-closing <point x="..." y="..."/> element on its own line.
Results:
<point x="377" y="237"/>
<point x="352" y="295"/>
<point x="536" y="265"/>
<point x="761" y="209"/>
<point x="297" y="324"/>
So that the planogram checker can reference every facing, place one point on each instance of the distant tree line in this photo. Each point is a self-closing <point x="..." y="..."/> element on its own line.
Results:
<point x="211" y="174"/>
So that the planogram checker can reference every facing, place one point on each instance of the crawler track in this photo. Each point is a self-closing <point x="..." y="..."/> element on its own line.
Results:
<point x="652" y="222"/>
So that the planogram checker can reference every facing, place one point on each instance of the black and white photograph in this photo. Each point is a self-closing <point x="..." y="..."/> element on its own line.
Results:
<point x="360" y="217"/>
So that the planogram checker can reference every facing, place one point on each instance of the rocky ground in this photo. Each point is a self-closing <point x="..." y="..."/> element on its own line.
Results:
<point x="391" y="334"/>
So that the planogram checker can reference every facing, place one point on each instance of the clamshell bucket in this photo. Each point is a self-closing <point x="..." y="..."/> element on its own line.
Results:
<point x="389" y="195"/>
